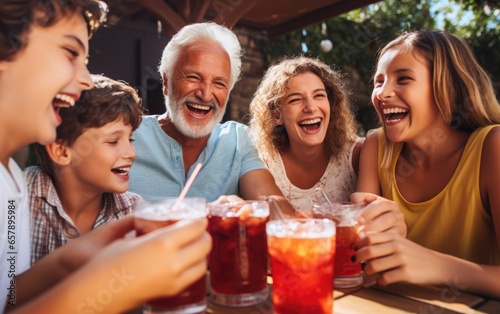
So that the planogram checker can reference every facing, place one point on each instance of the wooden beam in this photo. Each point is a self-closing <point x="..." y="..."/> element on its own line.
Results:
<point x="229" y="15"/>
<point x="199" y="10"/>
<point x="182" y="7"/>
<point x="165" y="13"/>
<point x="317" y="16"/>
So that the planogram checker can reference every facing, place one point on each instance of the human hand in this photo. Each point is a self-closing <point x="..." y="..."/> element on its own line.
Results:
<point x="79" y="251"/>
<point x="131" y="270"/>
<point x="231" y="199"/>
<point x="379" y="215"/>
<point x="160" y="263"/>
<point x="397" y="259"/>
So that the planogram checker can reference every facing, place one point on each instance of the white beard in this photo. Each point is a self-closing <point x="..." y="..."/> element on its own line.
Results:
<point x="191" y="130"/>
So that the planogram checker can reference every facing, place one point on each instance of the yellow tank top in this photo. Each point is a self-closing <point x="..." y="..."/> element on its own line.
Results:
<point x="454" y="221"/>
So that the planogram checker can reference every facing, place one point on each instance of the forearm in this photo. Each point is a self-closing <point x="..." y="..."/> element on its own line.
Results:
<point x="109" y="291"/>
<point x="44" y="274"/>
<point x="260" y="184"/>
<point x="468" y="276"/>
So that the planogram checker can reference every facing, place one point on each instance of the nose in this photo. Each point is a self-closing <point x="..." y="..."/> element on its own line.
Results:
<point x="129" y="152"/>
<point x="385" y="91"/>
<point x="309" y="105"/>
<point x="204" y="92"/>
<point x="83" y="78"/>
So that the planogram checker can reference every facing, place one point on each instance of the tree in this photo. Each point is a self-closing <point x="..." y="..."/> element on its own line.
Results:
<point x="358" y="35"/>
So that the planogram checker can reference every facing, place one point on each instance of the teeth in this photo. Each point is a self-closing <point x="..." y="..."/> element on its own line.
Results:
<point x="125" y="169"/>
<point x="312" y="121"/>
<point x="394" y="110"/>
<point x="70" y="101"/>
<point x="201" y="107"/>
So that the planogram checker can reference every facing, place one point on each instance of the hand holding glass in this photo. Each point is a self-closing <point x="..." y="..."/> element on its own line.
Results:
<point x="151" y="216"/>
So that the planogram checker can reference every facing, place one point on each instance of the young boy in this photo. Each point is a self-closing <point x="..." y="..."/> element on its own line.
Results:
<point x="43" y="50"/>
<point x="83" y="179"/>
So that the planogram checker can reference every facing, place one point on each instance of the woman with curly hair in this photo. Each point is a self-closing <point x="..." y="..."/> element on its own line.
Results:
<point x="305" y="132"/>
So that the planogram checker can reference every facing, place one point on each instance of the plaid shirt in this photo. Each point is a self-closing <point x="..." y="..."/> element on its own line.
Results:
<point x="51" y="226"/>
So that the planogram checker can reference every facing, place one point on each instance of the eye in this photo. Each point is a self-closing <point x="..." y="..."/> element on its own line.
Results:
<point x="378" y="83"/>
<point x="221" y="84"/>
<point x="403" y="79"/>
<point x="293" y="100"/>
<point x="112" y="142"/>
<point x="72" y="52"/>
<point x="193" y="78"/>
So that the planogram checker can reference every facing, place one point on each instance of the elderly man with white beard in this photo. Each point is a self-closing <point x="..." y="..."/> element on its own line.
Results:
<point x="199" y="68"/>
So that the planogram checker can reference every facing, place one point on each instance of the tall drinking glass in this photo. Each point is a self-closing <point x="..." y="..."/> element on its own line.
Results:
<point x="238" y="260"/>
<point x="150" y="216"/>
<point x="302" y="254"/>
<point x="347" y="273"/>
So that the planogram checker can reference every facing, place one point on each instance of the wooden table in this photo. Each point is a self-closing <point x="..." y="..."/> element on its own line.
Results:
<point x="396" y="299"/>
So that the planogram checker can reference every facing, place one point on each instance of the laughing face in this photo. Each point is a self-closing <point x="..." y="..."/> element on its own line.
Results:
<point x="305" y="110"/>
<point x="403" y="96"/>
<point x="198" y="90"/>
<point x="49" y="73"/>
<point x="101" y="158"/>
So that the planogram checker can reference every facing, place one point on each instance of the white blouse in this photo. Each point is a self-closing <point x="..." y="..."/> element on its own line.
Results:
<point x="338" y="180"/>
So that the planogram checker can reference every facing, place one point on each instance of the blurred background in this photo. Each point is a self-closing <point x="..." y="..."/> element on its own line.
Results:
<point x="346" y="34"/>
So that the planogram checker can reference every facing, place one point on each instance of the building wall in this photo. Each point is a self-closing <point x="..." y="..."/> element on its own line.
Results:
<point x="252" y="70"/>
<point x="131" y="51"/>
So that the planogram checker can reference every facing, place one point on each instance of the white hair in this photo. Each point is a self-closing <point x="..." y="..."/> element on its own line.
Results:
<point x="203" y="31"/>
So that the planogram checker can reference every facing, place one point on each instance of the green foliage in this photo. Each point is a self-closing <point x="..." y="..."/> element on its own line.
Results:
<point x="483" y="34"/>
<point x="358" y="35"/>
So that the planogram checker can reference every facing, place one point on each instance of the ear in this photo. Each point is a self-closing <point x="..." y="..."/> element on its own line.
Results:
<point x="165" y="84"/>
<point x="59" y="153"/>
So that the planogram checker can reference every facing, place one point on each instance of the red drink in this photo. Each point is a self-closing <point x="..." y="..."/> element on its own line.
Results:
<point x="347" y="237"/>
<point x="155" y="216"/>
<point x="238" y="260"/>
<point x="195" y="293"/>
<point x="302" y="270"/>
<point x="347" y="273"/>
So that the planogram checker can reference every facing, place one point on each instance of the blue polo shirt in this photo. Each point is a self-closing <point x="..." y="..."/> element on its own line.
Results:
<point x="158" y="170"/>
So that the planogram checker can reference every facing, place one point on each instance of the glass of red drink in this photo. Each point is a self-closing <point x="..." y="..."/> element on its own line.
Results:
<point x="238" y="260"/>
<point x="150" y="216"/>
<point x="347" y="273"/>
<point x="302" y="255"/>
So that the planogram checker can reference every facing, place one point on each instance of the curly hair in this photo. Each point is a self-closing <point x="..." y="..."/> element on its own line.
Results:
<point x="265" y="108"/>
<point x="18" y="16"/>
<point x="106" y="102"/>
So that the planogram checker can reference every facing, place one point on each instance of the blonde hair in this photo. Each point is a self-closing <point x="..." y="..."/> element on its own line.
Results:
<point x="265" y="107"/>
<point x="463" y="91"/>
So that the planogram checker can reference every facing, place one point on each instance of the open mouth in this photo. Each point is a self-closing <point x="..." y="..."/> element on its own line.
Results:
<point x="122" y="171"/>
<point x="63" y="101"/>
<point x="395" y="114"/>
<point x="311" y="124"/>
<point x="197" y="109"/>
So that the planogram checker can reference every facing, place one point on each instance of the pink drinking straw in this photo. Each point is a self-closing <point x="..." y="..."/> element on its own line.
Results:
<point x="187" y="186"/>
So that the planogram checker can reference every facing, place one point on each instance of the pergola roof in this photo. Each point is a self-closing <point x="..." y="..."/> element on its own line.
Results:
<point x="276" y="17"/>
